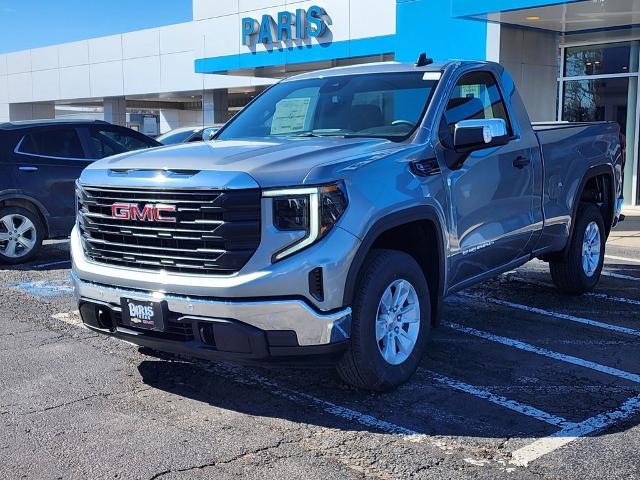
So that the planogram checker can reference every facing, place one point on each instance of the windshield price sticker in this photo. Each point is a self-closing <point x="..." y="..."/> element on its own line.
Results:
<point x="290" y="116"/>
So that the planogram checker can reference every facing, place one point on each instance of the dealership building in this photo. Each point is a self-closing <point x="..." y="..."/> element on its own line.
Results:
<point x="573" y="60"/>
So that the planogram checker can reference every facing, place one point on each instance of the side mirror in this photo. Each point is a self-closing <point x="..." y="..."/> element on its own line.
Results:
<point x="470" y="135"/>
<point x="209" y="133"/>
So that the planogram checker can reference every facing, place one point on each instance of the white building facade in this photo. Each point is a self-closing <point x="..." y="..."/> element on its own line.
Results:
<point x="154" y="68"/>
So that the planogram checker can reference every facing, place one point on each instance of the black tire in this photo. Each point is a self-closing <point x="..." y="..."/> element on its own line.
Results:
<point x="568" y="275"/>
<point x="363" y="365"/>
<point x="39" y="235"/>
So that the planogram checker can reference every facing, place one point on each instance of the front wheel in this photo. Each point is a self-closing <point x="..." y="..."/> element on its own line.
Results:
<point x="391" y="322"/>
<point x="580" y="271"/>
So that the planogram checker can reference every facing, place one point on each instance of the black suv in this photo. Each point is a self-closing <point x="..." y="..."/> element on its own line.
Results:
<point x="39" y="164"/>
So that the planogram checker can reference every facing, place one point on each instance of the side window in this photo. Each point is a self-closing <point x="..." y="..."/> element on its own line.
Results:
<point x="128" y="140"/>
<point x="475" y="96"/>
<point x="112" y="142"/>
<point x="103" y="147"/>
<point x="58" y="143"/>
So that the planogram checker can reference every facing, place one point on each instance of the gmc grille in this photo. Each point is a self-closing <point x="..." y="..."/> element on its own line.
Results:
<point x="215" y="232"/>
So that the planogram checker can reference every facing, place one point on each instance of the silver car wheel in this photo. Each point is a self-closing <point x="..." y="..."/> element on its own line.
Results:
<point x="17" y="235"/>
<point x="591" y="244"/>
<point x="398" y="322"/>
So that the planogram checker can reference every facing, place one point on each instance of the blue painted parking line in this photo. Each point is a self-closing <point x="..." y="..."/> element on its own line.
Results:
<point x="43" y="288"/>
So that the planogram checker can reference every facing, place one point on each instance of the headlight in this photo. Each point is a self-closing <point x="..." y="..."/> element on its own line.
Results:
<point x="314" y="210"/>
<point x="291" y="213"/>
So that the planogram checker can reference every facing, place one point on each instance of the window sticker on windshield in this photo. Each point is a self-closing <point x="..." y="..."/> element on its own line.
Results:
<point x="290" y="115"/>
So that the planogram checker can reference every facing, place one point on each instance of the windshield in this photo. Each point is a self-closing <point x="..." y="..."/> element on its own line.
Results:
<point x="386" y="105"/>
<point x="174" y="137"/>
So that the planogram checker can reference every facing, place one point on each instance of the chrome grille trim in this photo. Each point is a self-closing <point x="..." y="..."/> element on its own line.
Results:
<point x="215" y="231"/>
<point x="115" y="244"/>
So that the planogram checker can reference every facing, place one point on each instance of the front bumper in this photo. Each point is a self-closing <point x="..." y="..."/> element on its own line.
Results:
<point x="258" y="329"/>
<point x="259" y="278"/>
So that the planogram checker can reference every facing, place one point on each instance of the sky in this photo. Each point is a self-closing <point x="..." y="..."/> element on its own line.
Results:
<point x="26" y="24"/>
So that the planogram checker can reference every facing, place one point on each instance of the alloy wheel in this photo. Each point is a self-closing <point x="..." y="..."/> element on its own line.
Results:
<point x="17" y="235"/>
<point x="591" y="244"/>
<point x="398" y="322"/>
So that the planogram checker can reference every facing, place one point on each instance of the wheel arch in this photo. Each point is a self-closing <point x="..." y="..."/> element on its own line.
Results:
<point x="388" y="231"/>
<point x="598" y="177"/>
<point x="29" y="203"/>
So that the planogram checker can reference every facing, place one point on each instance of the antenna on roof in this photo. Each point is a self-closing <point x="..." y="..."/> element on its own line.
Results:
<point x="423" y="60"/>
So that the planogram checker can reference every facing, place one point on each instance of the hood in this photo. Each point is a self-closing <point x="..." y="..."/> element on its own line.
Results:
<point x="268" y="162"/>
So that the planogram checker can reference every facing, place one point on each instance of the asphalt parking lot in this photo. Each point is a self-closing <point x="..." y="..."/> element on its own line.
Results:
<point x="519" y="382"/>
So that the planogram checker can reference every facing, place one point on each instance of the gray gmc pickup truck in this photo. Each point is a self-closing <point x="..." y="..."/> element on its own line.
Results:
<point x="330" y="218"/>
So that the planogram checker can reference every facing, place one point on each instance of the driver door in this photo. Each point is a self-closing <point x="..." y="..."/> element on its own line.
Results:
<point x="491" y="193"/>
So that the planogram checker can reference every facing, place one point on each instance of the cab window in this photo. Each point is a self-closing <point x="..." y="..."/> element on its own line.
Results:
<point x="476" y="96"/>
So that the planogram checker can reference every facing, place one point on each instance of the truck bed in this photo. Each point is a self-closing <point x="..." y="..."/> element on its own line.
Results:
<point x="569" y="151"/>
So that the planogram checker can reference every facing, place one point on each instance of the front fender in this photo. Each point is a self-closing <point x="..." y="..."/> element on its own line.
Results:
<point x="388" y="222"/>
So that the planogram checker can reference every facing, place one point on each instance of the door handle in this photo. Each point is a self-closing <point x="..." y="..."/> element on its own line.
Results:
<point x="28" y="169"/>
<point x="521" y="162"/>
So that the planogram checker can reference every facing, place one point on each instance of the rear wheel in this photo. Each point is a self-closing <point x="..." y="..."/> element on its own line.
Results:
<point x="21" y="235"/>
<point x="580" y="271"/>
<point x="391" y="322"/>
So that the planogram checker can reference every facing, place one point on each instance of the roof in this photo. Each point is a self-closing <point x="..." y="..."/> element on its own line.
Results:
<point x="41" y="123"/>
<point x="379" y="67"/>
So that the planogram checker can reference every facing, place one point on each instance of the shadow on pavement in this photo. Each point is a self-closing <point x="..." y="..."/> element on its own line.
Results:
<point x="325" y="402"/>
<point x="53" y="256"/>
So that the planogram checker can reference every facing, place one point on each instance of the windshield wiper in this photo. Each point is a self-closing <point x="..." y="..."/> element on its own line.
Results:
<point x="305" y="134"/>
<point x="317" y="135"/>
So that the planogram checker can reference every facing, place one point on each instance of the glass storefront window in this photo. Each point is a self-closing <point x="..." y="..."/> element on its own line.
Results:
<point x="596" y="100"/>
<point x="610" y="99"/>
<point x="613" y="96"/>
<point x="600" y="59"/>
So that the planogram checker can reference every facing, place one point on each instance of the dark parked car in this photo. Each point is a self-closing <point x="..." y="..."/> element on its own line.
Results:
<point x="39" y="164"/>
<point x="188" y="135"/>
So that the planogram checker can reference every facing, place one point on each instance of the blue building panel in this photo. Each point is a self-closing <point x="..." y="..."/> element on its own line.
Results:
<point x="421" y="26"/>
<point x="308" y="53"/>
<point x="428" y="26"/>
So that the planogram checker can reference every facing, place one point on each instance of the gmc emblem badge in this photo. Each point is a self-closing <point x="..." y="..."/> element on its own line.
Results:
<point x="149" y="213"/>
